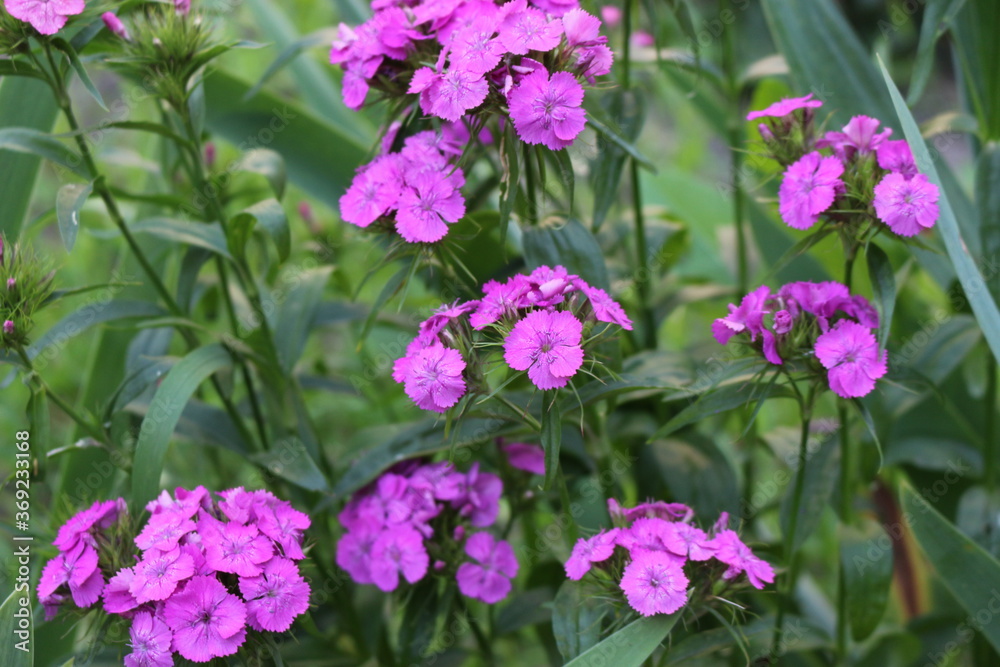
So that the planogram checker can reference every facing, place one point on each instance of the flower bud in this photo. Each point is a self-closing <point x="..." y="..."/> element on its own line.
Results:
<point x="115" y="25"/>
<point x="783" y="322"/>
<point x="11" y="283"/>
<point x="459" y="533"/>
<point x="209" y="154"/>
<point x="182" y="7"/>
<point x="8" y="327"/>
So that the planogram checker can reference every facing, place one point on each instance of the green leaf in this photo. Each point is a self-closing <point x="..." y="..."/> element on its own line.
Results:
<point x="569" y="244"/>
<point x="551" y="440"/>
<point x="983" y="305"/>
<point x="85" y="317"/>
<point x="296" y="313"/>
<point x="321" y="158"/>
<point x="630" y="646"/>
<point x="605" y="127"/>
<point x="81" y="71"/>
<point x="23" y="103"/>
<point x="290" y="52"/>
<point x="268" y="164"/>
<point x="988" y="207"/>
<point x="164" y="412"/>
<point x="17" y="628"/>
<point x="419" y="623"/>
<point x="866" y="564"/>
<point x="826" y="57"/>
<point x="270" y="216"/>
<point x="289" y="460"/>
<point x="627" y="110"/>
<point x="694" y="471"/>
<point x="971" y="574"/>
<point x="576" y="619"/>
<point x="201" y="234"/>
<point x="42" y="144"/>
<point x="721" y="400"/>
<point x="69" y="201"/>
<point x="883" y="282"/>
<point x="822" y="464"/>
<point x="938" y="15"/>
<point x="10" y="67"/>
<point x="978" y="50"/>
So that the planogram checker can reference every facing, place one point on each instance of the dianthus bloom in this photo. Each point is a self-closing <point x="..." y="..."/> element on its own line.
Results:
<point x="207" y="621"/>
<point x="586" y="552"/>
<point x="45" y="16"/>
<point x="433" y="378"/>
<point x="654" y="583"/>
<point x="488" y="578"/>
<point x="907" y="205"/>
<point x="546" y="110"/>
<point x="275" y="597"/>
<point x="729" y="548"/>
<point x="547" y="345"/>
<point x="808" y="188"/>
<point x="150" y="639"/>
<point x="858" y="136"/>
<point x="849" y="352"/>
<point x="785" y="107"/>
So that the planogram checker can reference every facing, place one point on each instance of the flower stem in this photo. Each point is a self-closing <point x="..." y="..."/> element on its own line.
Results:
<point x="791" y="557"/>
<point x="989" y="427"/>
<point x="736" y="139"/>
<point x="91" y="429"/>
<point x="846" y="465"/>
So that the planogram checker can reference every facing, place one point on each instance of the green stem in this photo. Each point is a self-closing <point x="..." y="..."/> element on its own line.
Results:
<point x="843" y="640"/>
<point x="846" y="464"/>
<point x="626" y="61"/>
<point x="534" y="423"/>
<point x="805" y="411"/>
<point x="91" y="429"/>
<point x="481" y="640"/>
<point x="642" y="275"/>
<point x="989" y="428"/>
<point x="529" y="181"/>
<point x="736" y="139"/>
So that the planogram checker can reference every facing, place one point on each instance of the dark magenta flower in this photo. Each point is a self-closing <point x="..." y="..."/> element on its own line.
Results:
<point x="488" y="578"/>
<point x="729" y="549"/>
<point x="588" y="551"/>
<point x="849" y="352"/>
<point x="275" y="597"/>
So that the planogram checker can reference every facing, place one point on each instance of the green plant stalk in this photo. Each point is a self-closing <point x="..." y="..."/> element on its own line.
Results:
<point x="642" y="259"/>
<point x="805" y="412"/>
<point x="736" y="139"/>
<point x="91" y="429"/>
<point x="846" y="464"/>
<point x="989" y="428"/>
<point x="101" y="186"/>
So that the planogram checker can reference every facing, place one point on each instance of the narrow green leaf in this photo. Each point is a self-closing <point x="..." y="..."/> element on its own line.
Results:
<point x="51" y="343"/>
<point x="883" y="282"/>
<point x="866" y="417"/>
<point x="17" y="628"/>
<point x="268" y="164"/>
<point x="971" y="574"/>
<point x="419" y="623"/>
<point x="605" y="127"/>
<point x="42" y="144"/>
<point x="988" y="206"/>
<point x="391" y="287"/>
<point x="23" y="103"/>
<point x="510" y="179"/>
<point x="822" y="463"/>
<point x="720" y="400"/>
<point x="567" y="243"/>
<point x="289" y="53"/>
<point x="983" y="305"/>
<point x="627" y="110"/>
<point x="826" y="57"/>
<point x="938" y="15"/>
<point x="576" y="620"/>
<point x="165" y="410"/>
<point x="630" y="646"/>
<point x="866" y="564"/>
<point x="289" y="460"/>
<point x="551" y="440"/>
<point x="694" y="470"/>
<point x="306" y="142"/>
<point x="81" y="71"/>
<point x="19" y="68"/>
<point x="203" y="235"/>
<point x="296" y="314"/>
<point x="69" y="201"/>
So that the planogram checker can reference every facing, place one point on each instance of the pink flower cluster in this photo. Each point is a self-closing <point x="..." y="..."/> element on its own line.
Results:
<point x="662" y="553"/>
<point x="46" y="16"/>
<point x="417" y="514"/>
<point x="206" y="573"/>
<point x="841" y="182"/>
<point x="484" y="55"/>
<point x="799" y="319"/>
<point x="539" y="318"/>
<point x="417" y="186"/>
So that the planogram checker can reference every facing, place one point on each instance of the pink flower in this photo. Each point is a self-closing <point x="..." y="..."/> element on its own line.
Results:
<point x="582" y="29"/>
<point x="500" y="300"/>
<point x="649" y="510"/>
<point x="275" y="597"/>
<point x="237" y="549"/>
<point x="479" y="497"/>
<point x="906" y="205"/>
<point x="730" y="550"/>
<point x="117" y="598"/>
<point x="587" y="551"/>
<point x="547" y="110"/>
<point x="896" y="156"/>
<point x="748" y="317"/>
<point x="612" y="15"/>
<point x="683" y="539"/>
<point x="433" y="378"/>
<point x="354" y="553"/>
<point x="425" y="207"/>
<point x="547" y="345"/>
<point x="548" y="286"/>
<point x="785" y="107"/>
<point x="76" y="569"/>
<point x="8" y="327"/>
<point x="399" y="551"/>
<point x="808" y="188"/>
<point x="163" y="531"/>
<point x="474" y="48"/>
<point x="488" y="579"/>
<point x="526" y="29"/>
<point x="651" y="534"/>
<point x="605" y="308"/>
<point x="78" y="528"/>
<point x="158" y="574"/>
<point x="207" y="621"/>
<point x="45" y="16"/>
<point x="849" y="352"/>
<point x="373" y="192"/>
<point x="526" y="457"/>
<point x="858" y="136"/>
<point x="654" y="583"/>
<point x="284" y="525"/>
<point x="149" y="639"/>
<point x="115" y="25"/>
<point x="450" y="94"/>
